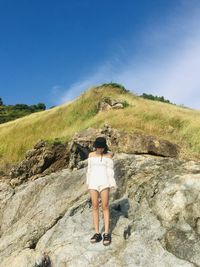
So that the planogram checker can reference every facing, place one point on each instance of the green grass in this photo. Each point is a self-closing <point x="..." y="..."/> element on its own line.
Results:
<point x="170" y="122"/>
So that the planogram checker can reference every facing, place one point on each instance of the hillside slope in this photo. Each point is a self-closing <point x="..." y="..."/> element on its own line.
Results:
<point x="166" y="121"/>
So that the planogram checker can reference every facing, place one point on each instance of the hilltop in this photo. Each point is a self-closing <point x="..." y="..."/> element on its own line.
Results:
<point x="138" y="115"/>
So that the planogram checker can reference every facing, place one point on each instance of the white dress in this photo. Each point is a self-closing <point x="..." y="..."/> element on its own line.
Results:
<point x="100" y="173"/>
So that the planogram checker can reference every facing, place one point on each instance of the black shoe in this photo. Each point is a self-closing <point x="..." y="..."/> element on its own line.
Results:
<point x="106" y="239"/>
<point x="96" y="238"/>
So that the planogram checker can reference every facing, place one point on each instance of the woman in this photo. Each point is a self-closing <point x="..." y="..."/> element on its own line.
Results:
<point x="100" y="180"/>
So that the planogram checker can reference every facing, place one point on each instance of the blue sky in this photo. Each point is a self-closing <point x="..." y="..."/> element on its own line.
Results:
<point x="52" y="51"/>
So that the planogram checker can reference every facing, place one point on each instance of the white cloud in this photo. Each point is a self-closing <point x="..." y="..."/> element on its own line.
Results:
<point x="102" y="74"/>
<point x="166" y="62"/>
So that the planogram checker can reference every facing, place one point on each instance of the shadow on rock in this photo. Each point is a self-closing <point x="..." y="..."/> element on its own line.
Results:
<point x="117" y="209"/>
<point x="44" y="262"/>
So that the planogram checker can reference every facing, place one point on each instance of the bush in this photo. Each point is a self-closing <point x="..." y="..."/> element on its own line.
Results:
<point x="125" y="104"/>
<point x="157" y="98"/>
<point x="21" y="106"/>
<point x="115" y="85"/>
<point x="1" y="102"/>
<point x="12" y="112"/>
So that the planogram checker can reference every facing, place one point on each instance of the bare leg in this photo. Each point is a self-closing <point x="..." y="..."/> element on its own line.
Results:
<point x="95" y="208"/>
<point x="105" y="207"/>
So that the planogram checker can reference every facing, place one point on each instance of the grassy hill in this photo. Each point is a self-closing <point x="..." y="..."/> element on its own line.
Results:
<point x="167" y="121"/>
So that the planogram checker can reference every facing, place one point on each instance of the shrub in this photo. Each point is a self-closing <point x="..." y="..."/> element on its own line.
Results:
<point x="125" y="104"/>
<point x="157" y="98"/>
<point x="115" y="85"/>
<point x="1" y="102"/>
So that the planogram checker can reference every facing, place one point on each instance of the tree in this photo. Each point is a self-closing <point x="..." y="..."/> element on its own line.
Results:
<point x="1" y="102"/>
<point x="41" y="106"/>
<point x="158" y="98"/>
<point x="21" y="106"/>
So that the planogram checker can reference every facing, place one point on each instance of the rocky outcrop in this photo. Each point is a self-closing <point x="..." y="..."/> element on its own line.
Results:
<point x="108" y="103"/>
<point x="154" y="217"/>
<point x="44" y="159"/>
<point x="119" y="141"/>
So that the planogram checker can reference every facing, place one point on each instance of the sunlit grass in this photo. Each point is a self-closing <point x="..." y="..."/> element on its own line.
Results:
<point x="174" y="123"/>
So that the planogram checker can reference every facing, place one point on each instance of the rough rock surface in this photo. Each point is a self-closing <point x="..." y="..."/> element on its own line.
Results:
<point x="155" y="217"/>
<point x="44" y="159"/>
<point x="117" y="141"/>
<point x="108" y="103"/>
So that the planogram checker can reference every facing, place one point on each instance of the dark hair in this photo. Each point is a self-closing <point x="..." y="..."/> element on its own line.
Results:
<point x="100" y="142"/>
<point x="105" y="150"/>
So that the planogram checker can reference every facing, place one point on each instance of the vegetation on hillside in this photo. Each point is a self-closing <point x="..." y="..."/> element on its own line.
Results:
<point x="166" y="121"/>
<point x="156" y="98"/>
<point x="12" y="112"/>
<point x="115" y="85"/>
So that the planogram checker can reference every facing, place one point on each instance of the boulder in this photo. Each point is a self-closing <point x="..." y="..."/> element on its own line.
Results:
<point x="40" y="160"/>
<point x="107" y="103"/>
<point x="44" y="159"/>
<point x="119" y="141"/>
<point x="154" y="217"/>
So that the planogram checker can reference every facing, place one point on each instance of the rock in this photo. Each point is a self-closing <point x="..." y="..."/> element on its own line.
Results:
<point x="146" y="144"/>
<point x="108" y="103"/>
<point x="44" y="261"/>
<point x="40" y="144"/>
<point x="121" y="142"/>
<point x="44" y="159"/>
<point x="154" y="217"/>
<point x="118" y="106"/>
